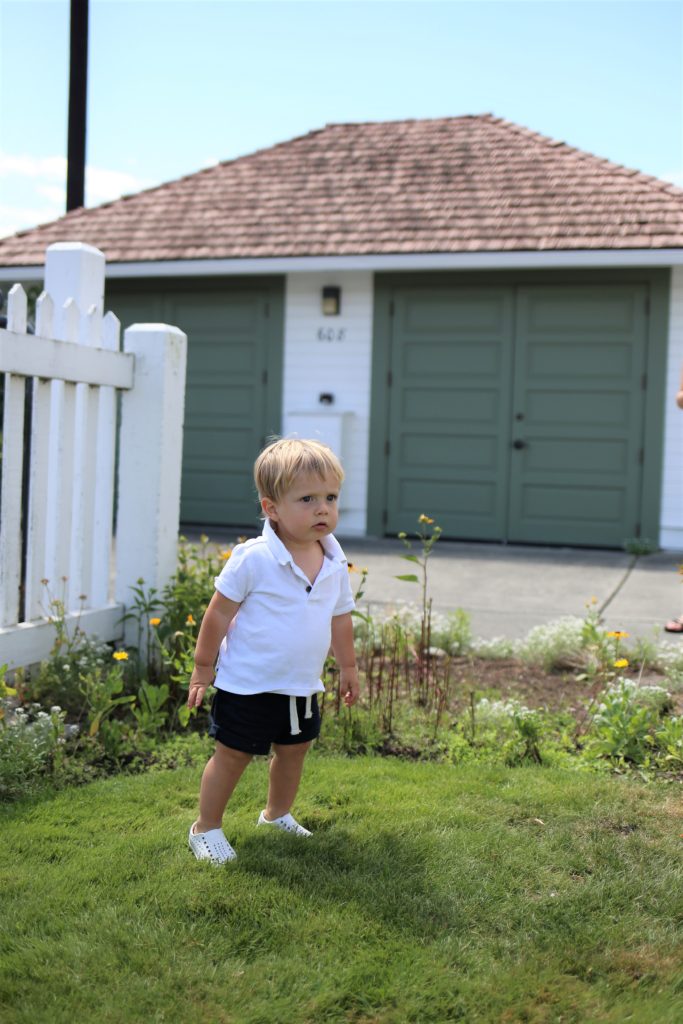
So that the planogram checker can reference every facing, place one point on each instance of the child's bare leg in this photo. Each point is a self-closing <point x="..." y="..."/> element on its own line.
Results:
<point x="221" y="775"/>
<point x="285" y="770"/>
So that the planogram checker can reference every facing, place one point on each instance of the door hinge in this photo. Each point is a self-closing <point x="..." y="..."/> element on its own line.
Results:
<point x="387" y="447"/>
<point x="643" y="382"/>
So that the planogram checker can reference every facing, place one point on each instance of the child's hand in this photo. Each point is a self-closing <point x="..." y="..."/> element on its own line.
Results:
<point x="349" y="686"/>
<point x="202" y="677"/>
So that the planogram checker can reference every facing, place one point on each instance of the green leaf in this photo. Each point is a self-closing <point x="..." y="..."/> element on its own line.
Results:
<point x="411" y="578"/>
<point x="411" y="558"/>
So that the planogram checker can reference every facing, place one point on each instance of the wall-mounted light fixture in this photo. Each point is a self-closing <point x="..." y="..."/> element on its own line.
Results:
<point x="331" y="300"/>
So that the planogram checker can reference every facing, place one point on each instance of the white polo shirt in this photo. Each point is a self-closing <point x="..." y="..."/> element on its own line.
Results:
<point x="280" y="637"/>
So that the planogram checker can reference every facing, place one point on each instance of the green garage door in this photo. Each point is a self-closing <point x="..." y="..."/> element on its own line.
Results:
<point x="516" y="412"/>
<point x="234" y="384"/>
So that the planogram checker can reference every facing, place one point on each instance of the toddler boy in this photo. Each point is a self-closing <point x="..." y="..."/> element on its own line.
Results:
<point x="281" y="600"/>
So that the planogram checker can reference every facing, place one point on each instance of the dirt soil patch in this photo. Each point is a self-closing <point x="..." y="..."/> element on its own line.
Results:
<point x="533" y="686"/>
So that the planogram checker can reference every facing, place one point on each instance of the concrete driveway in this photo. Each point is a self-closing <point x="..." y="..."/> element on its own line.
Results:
<point x="509" y="589"/>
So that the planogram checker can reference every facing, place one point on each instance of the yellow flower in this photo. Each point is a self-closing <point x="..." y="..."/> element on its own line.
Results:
<point x="621" y="663"/>
<point x="120" y="656"/>
<point x="154" y="622"/>
<point x="594" y="600"/>
<point x="225" y="555"/>
<point x="425" y="519"/>
<point x="618" y="634"/>
<point x="204" y="539"/>
<point x="402" y="535"/>
<point x="189" y="621"/>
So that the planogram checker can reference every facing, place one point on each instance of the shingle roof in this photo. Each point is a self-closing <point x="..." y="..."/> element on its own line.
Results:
<point x="462" y="184"/>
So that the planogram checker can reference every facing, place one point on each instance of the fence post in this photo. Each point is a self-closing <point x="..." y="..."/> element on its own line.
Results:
<point x="150" y="456"/>
<point x="74" y="279"/>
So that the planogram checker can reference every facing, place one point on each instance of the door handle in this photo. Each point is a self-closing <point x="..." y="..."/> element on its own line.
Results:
<point x="519" y="444"/>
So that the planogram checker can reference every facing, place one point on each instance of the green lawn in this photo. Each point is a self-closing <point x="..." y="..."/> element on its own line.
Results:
<point x="428" y="894"/>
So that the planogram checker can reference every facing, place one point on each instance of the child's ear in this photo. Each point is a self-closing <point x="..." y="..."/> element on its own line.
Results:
<point x="268" y="508"/>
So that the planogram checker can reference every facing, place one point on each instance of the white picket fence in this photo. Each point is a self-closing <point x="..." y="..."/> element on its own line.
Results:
<point x="63" y="533"/>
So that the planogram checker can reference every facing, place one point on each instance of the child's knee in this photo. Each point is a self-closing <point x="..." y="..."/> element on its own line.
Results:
<point x="228" y="755"/>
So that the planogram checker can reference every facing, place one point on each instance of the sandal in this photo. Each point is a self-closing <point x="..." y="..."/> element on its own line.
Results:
<point x="287" y="823"/>
<point x="674" y="625"/>
<point x="211" y="845"/>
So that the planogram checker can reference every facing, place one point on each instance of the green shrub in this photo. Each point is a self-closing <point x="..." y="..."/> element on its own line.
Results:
<point x="30" y="742"/>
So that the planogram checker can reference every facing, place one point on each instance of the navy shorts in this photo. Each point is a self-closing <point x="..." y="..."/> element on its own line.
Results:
<point x="251" y="722"/>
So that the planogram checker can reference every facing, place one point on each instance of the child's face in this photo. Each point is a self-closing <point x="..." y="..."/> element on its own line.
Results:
<point x="307" y="512"/>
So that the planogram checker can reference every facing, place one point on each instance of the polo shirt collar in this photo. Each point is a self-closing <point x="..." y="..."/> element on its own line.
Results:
<point x="330" y="544"/>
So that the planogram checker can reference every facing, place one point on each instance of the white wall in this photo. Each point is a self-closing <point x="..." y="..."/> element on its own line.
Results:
<point x="671" y="532"/>
<point x="341" y="367"/>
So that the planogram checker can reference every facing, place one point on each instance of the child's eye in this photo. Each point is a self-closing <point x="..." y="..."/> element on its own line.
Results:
<point x="306" y="497"/>
<point x="332" y="497"/>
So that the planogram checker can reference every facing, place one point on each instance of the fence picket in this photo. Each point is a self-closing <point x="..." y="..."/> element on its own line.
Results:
<point x="17" y="307"/>
<point x="45" y="311"/>
<point x="38" y="517"/>
<point x="103" y="514"/>
<point x="10" y="498"/>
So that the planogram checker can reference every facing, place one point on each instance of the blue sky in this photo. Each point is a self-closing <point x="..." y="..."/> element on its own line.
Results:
<point x="176" y="85"/>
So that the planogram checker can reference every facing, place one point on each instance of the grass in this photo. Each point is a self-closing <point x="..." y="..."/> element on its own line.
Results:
<point x="427" y="894"/>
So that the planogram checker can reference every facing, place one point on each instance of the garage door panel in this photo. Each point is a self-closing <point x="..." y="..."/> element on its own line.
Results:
<point x="208" y="317"/>
<point x="553" y="505"/>
<point x="215" y="406"/>
<point x="454" y="357"/>
<point x="580" y="360"/>
<point x="609" y="309"/>
<point x="576" y="455"/>
<point x="471" y="498"/>
<point x="449" y="405"/>
<point x="449" y="452"/>
<point x="598" y="408"/>
<point x="449" y="311"/>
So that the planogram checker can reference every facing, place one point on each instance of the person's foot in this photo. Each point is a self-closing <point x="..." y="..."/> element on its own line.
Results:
<point x="286" y="822"/>
<point x="211" y="845"/>
<point x="674" y="625"/>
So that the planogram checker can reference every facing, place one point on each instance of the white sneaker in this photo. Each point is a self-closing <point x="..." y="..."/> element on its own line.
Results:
<point x="287" y="823"/>
<point x="211" y="845"/>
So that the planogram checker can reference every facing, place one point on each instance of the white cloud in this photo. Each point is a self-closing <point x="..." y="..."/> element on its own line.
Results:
<point x="37" y="185"/>
<point x="102" y="185"/>
<point x="17" y="218"/>
<point x="56" y="194"/>
<point x="675" y="177"/>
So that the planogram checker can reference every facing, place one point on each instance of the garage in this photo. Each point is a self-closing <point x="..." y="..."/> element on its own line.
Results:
<point x="518" y="410"/>
<point x="234" y="383"/>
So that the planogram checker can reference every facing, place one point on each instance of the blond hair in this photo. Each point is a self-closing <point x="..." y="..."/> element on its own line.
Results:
<point x="282" y="461"/>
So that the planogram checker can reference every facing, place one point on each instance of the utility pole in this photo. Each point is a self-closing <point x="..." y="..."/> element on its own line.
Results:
<point x="78" y="95"/>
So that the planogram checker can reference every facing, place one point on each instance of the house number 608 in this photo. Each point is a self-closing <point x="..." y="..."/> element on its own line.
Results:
<point x="331" y="333"/>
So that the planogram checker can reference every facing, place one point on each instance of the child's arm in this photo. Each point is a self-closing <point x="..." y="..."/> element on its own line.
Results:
<point x="217" y="618"/>
<point x="679" y="396"/>
<point x="345" y="654"/>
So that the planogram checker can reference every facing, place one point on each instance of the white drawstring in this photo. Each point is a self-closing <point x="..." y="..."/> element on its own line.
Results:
<point x="294" y="728"/>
